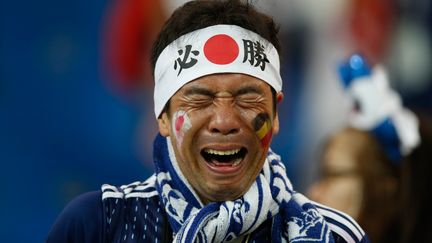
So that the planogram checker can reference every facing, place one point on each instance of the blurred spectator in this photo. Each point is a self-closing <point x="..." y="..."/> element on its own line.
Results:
<point x="395" y="33"/>
<point x="128" y="32"/>
<point x="376" y="170"/>
<point x="390" y="201"/>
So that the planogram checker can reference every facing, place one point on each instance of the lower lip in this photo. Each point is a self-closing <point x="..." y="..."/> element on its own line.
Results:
<point x="228" y="169"/>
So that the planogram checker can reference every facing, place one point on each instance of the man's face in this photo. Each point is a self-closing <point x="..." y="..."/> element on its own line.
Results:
<point x="221" y="126"/>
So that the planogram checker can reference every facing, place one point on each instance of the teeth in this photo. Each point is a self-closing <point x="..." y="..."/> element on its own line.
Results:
<point x="236" y="162"/>
<point x="226" y="152"/>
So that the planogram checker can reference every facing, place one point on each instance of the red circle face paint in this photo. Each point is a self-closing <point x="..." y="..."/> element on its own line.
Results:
<point x="221" y="49"/>
<point x="179" y="123"/>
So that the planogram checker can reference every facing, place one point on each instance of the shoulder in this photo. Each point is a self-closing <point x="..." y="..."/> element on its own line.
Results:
<point x="344" y="228"/>
<point x="122" y="203"/>
<point x="101" y="215"/>
<point x="133" y="211"/>
<point x="146" y="189"/>
<point x="80" y="221"/>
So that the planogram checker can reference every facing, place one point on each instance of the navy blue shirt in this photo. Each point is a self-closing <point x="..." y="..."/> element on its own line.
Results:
<point x="134" y="213"/>
<point x="89" y="218"/>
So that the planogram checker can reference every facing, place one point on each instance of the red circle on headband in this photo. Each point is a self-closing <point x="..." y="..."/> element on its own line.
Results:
<point x="221" y="49"/>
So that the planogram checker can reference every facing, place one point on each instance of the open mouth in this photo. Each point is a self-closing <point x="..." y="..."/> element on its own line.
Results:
<point x="231" y="157"/>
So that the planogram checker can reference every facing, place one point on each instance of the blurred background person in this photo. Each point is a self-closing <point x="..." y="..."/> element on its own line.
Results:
<point x="394" y="33"/>
<point x="377" y="169"/>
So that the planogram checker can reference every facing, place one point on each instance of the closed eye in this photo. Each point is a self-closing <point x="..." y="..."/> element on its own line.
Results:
<point x="198" y="97"/>
<point x="198" y="100"/>
<point x="250" y="99"/>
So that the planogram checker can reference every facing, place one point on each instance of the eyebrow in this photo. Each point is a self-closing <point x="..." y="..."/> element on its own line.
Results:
<point x="207" y="92"/>
<point x="199" y="91"/>
<point x="249" y="89"/>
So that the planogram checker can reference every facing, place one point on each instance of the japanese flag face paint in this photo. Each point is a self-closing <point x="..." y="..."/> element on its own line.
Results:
<point x="212" y="50"/>
<point x="263" y="128"/>
<point x="181" y="124"/>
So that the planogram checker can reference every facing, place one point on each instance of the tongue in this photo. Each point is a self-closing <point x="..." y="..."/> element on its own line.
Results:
<point x="229" y="163"/>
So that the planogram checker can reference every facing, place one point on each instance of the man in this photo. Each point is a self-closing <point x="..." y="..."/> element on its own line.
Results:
<point x="217" y="84"/>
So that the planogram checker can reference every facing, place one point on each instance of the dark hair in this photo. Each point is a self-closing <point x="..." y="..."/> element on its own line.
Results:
<point x="396" y="197"/>
<point x="416" y="193"/>
<point x="199" y="14"/>
<point x="381" y="186"/>
<point x="380" y="182"/>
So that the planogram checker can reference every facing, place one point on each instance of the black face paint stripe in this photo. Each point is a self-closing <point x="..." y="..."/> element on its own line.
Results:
<point x="259" y="120"/>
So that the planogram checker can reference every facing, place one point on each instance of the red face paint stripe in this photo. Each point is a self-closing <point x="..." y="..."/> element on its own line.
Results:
<point x="265" y="141"/>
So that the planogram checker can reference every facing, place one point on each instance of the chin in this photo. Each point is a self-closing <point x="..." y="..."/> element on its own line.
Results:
<point x="223" y="194"/>
<point x="224" y="198"/>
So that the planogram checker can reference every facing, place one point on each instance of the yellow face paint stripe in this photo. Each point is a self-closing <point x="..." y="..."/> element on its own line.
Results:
<point x="263" y="130"/>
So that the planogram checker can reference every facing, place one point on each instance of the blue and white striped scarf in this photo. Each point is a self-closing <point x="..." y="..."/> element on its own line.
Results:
<point x="271" y="196"/>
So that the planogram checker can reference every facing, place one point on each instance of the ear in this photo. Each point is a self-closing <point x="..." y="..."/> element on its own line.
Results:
<point x="279" y="98"/>
<point x="164" y="124"/>
<point x="276" y="124"/>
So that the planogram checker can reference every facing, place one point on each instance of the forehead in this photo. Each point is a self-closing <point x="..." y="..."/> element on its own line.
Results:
<point x="227" y="82"/>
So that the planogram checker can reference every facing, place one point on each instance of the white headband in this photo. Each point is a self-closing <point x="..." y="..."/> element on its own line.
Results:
<point x="215" y="49"/>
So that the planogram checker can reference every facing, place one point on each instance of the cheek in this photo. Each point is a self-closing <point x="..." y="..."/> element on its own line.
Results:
<point x="181" y="124"/>
<point x="263" y="128"/>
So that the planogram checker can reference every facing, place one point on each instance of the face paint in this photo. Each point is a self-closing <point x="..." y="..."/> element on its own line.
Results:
<point x="263" y="128"/>
<point x="181" y="124"/>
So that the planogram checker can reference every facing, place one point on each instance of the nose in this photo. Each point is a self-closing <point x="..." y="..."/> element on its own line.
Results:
<point x="225" y="120"/>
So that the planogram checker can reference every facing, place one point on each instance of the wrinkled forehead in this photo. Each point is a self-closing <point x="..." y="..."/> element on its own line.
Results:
<point x="214" y="50"/>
